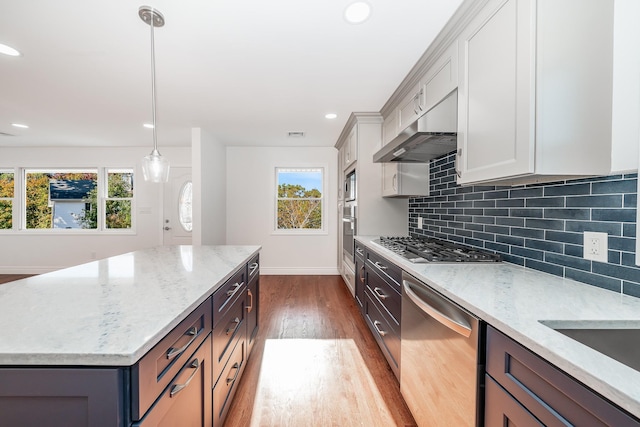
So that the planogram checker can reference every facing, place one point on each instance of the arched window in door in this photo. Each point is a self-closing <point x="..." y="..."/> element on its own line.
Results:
<point x="184" y="206"/>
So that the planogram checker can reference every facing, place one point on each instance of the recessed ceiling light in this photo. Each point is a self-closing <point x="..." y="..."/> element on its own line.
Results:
<point x="148" y="125"/>
<point x="330" y="115"/>
<point x="8" y="50"/>
<point x="357" y="12"/>
<point x="19" y="125"/>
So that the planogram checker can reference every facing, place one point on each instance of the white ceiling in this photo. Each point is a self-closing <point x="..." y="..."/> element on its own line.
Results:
<point x="246" y="71"/>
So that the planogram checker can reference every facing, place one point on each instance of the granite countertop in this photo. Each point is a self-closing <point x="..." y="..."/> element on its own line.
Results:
<point x="515" y="300"/>
<point x="112" y="311"/>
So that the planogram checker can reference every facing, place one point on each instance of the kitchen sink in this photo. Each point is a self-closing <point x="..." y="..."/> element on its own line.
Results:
<point x="618" y="340"/>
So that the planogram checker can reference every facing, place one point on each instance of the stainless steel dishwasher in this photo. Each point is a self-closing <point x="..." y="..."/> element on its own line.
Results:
<point x="439" y="358"/>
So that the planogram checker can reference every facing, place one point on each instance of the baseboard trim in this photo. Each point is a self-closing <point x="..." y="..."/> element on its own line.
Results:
<point x="272" y="271"/>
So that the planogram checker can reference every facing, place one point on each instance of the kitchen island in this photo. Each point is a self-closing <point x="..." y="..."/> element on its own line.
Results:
<point x="526" y="305"/>
<point x="91" y="333"/>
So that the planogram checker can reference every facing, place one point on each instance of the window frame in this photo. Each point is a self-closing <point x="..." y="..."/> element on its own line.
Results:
<point x="323" y="230"/>
<point x="11" y="199"/>
<point x="104" y="198"/>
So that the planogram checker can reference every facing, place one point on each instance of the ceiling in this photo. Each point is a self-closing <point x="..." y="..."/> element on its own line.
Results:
<point x="246" y="71"/>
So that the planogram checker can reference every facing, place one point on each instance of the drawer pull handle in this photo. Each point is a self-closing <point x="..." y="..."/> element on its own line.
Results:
<point x="377" y="325"/>
<point x="179" y="387"/>
<point x="236" y="322"/>
<point x="360" y="251"/>
<point x="173" y="352"/>
<point x="232" y="292"/>
<point x="252" y="268"/>
<point x="379" y="293"/>
<point x="380" y="266"/>
<point x="235" y="366"/>
<point x="361" y="276"/>
<point x="250" y="306"/>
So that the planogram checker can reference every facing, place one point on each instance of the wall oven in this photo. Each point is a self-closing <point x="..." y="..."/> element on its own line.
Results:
<point x="348" y="228"/>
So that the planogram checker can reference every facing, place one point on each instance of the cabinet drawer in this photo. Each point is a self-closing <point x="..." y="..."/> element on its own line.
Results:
<point x="159" y="366"/>
<point x="386" y="334"/>
<point x="226" y="386"/>
<point x="502" y="409"/>
<point x="224" y="297"/>
<point x="385" y="295"/>
<point x="549" y="394"/>
<point x="227" y="332"/>
<point x="253" y="267"/>
<point x="187" y="400"/>
<point x="386" y="269"/>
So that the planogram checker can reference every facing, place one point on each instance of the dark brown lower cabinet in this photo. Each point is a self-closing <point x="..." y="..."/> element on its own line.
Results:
<point x="59" y="397"/>
<point x="528" y="388"/>
<point x="187" y="400"/>
<point x="226" y="386"/>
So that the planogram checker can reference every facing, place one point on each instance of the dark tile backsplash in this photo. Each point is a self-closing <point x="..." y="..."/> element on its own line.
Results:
<point x="538" y="226"/>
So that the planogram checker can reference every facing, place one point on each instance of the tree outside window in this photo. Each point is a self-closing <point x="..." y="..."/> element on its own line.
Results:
<point x="6" y="200"/>
<point x="299" y="199"/>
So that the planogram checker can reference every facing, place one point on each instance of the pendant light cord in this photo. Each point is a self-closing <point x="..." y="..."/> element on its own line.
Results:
<point x="153" y="86"/>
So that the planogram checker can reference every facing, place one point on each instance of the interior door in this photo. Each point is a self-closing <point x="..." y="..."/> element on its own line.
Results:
<point x="177" y="208"/>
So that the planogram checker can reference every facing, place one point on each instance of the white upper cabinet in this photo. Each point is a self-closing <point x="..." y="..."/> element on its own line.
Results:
<point x="534" y="91"/>
<point x="390" y="127"/>
<point x="411" y="108"/>
<point x="350" y="149"/>
<point x="442" y="78"/>
<point x="405" y="179"/>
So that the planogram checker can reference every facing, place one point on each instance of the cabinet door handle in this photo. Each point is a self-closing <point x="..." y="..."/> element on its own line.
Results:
<point x="173" y="352"/>
<point x="177" y="388"/>
<point x="252" y="268"/>
<point x="250" y="306"/>
<point x="379" y="293"/>
<point x="377" y="324"/>
<point x="394" y="182"/>
<point x="235" y="366"/>
<point x="458" y="158"/>
<point x="235" y="322"/>
<point x="380" y="266"/>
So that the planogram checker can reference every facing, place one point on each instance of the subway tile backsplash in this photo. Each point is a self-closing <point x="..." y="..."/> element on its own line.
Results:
<point x="538" y="226"/>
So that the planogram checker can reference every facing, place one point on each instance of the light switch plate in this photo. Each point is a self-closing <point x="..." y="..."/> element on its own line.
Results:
<point x="596" y="246"/>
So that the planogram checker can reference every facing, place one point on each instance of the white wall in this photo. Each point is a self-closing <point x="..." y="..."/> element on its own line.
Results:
<point x="35" y="251"/>
<point x="209" y="172"/>
<point x="250" y="208"/>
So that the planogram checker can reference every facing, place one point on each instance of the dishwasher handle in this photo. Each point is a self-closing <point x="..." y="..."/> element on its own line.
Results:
<point x="459" y="325"/>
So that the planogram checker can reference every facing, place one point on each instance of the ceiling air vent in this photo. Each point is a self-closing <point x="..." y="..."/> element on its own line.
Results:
<point x="297" y="134"/>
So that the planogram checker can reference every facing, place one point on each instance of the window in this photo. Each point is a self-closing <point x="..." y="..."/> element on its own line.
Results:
<point x="96" y="199"/>
<point x="119" y="198"/>
<point x="185" y="208"/>
<point x="64" y="199"/>
<point x="6" y="200"/>
<point x="299" y="199"/>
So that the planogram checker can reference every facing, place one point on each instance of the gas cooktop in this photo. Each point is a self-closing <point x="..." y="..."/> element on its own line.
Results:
<point x="429" y="249"/>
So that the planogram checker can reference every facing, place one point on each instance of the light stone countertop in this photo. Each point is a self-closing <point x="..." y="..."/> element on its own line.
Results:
<point x="515" y="300"/>
<point x="112" y="311"/>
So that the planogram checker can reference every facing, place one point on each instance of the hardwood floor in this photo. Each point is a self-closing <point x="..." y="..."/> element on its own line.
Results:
<point x="4" y="278"/>
<point x="315" y="363"/>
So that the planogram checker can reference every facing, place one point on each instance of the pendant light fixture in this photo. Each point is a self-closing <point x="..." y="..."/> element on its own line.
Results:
<point x="155" y="167"/>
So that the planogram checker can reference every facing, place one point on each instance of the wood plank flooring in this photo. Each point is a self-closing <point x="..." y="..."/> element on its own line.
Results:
<point x="4" y="278"/>
<point x="315" y="363"/>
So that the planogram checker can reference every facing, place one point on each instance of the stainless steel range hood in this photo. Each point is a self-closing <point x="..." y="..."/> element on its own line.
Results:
<point x="432" y="135"/>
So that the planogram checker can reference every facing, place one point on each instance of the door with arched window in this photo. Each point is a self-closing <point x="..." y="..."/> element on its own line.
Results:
<point x="177" y="225"/>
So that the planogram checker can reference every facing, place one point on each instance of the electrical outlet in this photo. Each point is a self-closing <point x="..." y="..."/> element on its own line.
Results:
<point x="595" y="246"/>
<point x="420" y="222"/>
